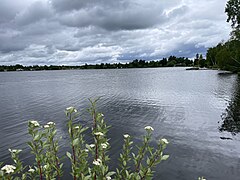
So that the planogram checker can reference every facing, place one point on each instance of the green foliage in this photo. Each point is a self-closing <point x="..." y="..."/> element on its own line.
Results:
<point x="233" y="12"/>
<point x="165" y="62"/>
<point x="88" y="161"/>
<point x="142" y="170"/>
<point x="225" y="55"/>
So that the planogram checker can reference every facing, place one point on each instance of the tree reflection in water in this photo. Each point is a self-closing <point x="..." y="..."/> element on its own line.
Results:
<point x="231" y="117"/>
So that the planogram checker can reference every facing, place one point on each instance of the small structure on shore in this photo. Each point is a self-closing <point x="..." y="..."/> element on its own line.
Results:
<point x="193" y="68"/>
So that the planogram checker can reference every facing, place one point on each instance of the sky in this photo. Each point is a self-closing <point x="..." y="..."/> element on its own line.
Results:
<point x="75" y="32"/>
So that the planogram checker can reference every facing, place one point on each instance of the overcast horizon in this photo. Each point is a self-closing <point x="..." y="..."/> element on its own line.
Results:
<point x="63" y="32"/>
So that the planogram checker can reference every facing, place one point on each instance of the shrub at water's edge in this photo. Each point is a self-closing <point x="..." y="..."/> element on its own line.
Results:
<point x="226" y="55"/>
<point x="88" y="161"/>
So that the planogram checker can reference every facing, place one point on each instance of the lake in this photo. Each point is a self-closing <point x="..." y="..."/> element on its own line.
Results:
<point x="197" y="111"/>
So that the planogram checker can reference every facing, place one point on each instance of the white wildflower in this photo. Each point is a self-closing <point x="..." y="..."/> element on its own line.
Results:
<point x="165" y="141"/>
<point x="104" y="145"/>
<point x="31" y="170"/>
<point x="35" y="123"/>
<point x="51" y="123"/>
<point x="99" y="134"/>
<point x="86" y="150"/>
<point x="46" y="126"/>
<point x="108" y="178"/>
<point x="14" y="150"/>
<point x="71" y="109"/>
<point x="45" y="167"/>
<point x="8" y="168"/>
<point x="92" y="145"/>
<point x="97" y="162"/>
<point x="102" y="114"/>
<point x="76" y="127"/>
<point x="126" y="136"/>
<point x="149" y="128"/>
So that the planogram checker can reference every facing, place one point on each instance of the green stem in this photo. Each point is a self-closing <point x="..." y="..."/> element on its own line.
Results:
<point x="73" y="148"/>
<point x="56" y="159"/>
<point x="74" y="155"/>
<point x="141" y="154"/>
<point x="155" y="157"/>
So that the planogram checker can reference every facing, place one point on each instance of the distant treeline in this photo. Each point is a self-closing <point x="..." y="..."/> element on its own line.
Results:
<point x="165" y="62"/>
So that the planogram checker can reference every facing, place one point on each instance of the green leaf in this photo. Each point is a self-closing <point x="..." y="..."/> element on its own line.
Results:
<point x="54" y="132"/>
<point x="69" y="155"/>
<point x="1" y="173"/>
<point x="165" y="157"/>
<point x="31" y="145"/>
<point x="37" y="137"/>
<point x="111" y="173"/>
<point x="75" y="141"/>
<point x="148" y="161"/>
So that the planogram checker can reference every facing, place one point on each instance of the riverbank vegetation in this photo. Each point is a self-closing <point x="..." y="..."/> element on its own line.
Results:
<point x="226" y="55"/>
<point x="165" y="62"/>
<point x="89" y="160"/>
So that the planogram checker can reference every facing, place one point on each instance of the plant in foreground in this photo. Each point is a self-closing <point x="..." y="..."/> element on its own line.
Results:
<point x="88" y="161"/>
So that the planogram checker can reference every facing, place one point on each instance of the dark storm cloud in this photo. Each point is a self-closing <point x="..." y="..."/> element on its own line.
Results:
<point x="111" y="15"/>
<point x="35" y="12"/>
<point x="10" y="41"/>
<point x="7" y="47"/>
<point x="66" y="5"/>
<point x="78" y="31"/>
<point x="8" y="10"/>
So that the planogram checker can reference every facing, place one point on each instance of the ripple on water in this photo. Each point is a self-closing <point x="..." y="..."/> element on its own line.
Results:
<point x="183" y="106"/>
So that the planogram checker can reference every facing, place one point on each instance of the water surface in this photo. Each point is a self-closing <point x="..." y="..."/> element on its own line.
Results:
<point x="197" y="111"/>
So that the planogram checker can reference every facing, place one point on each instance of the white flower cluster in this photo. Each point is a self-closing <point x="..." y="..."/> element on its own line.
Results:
<point x="164" y="141"/>
<point x="104" y="145"/>
<point x="35" y="123"/>
<point x="71" y="109"/>
<point x="92" y="145"/>
<point x="149" y="128"/>
<point x="31" y="170"/>
<point x="14" y="150"/>
<point x="97" y="162"/>
<point x="98" y="133"/>
<point x="8" y="168"/>
<point x="46" y="126"/>
<point x="108" y="178"/>
<point x="86" y="150"/>
<point x="126" y="136"/>
<point x="76" y="127"/>
<point x="49" y="124"/>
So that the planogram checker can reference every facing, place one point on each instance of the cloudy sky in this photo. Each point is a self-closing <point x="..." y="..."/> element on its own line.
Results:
<point x="75" y="32"/>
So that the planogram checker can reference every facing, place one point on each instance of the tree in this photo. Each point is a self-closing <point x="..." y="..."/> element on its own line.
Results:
<point x="211" y="56"/>
<point x="227" y="55"/>
<point x="233" y="12"/>
<point x="223" y="58"/>
<point x="197" y="56"/>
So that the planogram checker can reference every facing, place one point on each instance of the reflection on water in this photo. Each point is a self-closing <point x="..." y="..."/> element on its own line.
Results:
<point x="231" y="116"/>
<point x="182" y="106"/>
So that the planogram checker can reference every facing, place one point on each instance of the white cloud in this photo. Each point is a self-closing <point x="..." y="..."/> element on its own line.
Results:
<point x="77" y="32"/>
